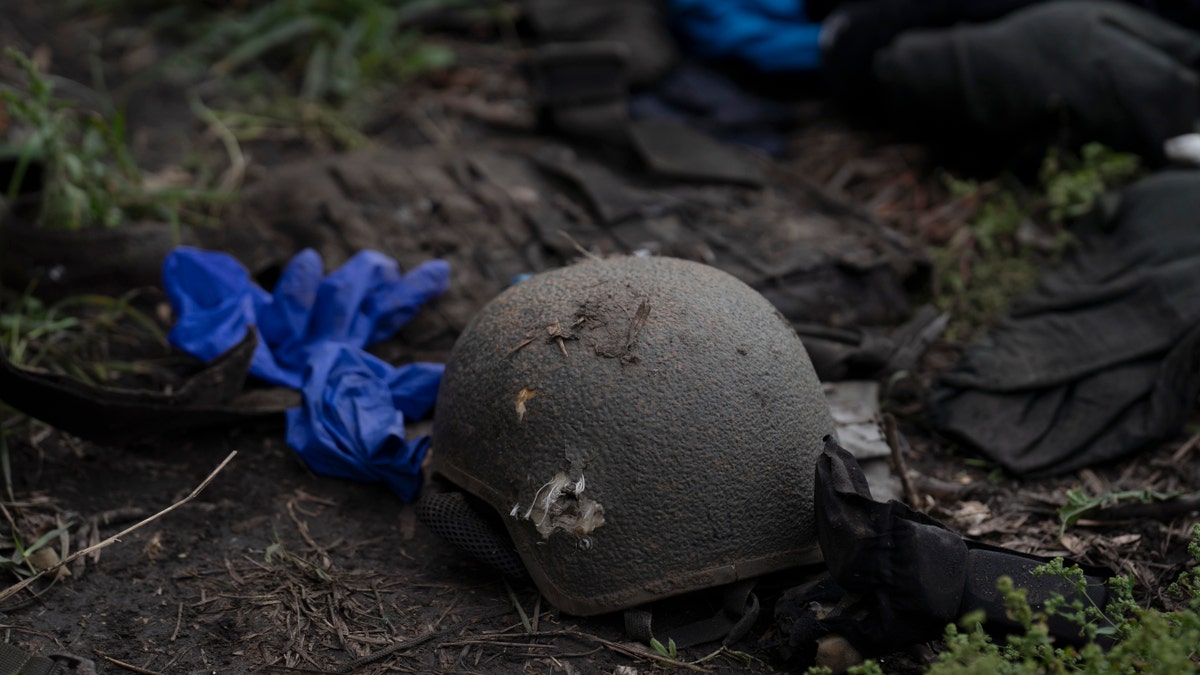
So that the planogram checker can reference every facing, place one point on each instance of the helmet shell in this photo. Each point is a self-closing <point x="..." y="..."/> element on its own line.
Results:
<point x="644" y="426"/>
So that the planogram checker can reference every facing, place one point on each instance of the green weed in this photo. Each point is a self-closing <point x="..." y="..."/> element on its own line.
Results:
<point x="1073" y="184"/>
<point x="79" y="336"/>
<point x="1080" y="502"/>
<point x="84" y="157"/>
<point x="20" y="562"/>
<point x="984" y="267"/>
<point x="671" y="651"/>
<point x="668" y="650"/>
<point x="330" y="48"/>
<point x="89" y="177"/>
<point x="1141" y="640"/>
<point x="987" y="264"/>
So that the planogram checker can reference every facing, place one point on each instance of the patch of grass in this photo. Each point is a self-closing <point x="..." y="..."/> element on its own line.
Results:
<point x="80" y="336"/>
<point x="330" y="49"/>
<point x="282" y="118"/>
<point x="21" y="561"/>
<point x="315" y="71"/>
<point x="84" y="156"/>
<point x="338" y="46"/>
<point x="89" y="177"/>
<point x="1017" y="231"/>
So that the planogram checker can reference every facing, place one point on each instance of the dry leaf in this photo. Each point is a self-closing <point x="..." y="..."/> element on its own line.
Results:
<point x="1073" y="544"/>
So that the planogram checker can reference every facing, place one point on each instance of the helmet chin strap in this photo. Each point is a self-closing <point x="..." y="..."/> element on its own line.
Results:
<point x="739" y="610"/>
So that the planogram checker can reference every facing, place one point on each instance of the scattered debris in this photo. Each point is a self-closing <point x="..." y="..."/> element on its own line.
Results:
<point x="258" y="576"/>
<point x="116" y="538"/>
<point x="618" y="341"/>
<point x="558" y="334"/>
<point x="523" y="396"/>
<point x="854" y="406"/>
<point x="561" y="506"/>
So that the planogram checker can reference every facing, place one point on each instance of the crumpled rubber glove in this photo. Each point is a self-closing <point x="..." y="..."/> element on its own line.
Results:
<point x="312" y="330"/>
<point x="214" y="303"/>
<point x="912" y="575"/>
<point x="351" y="422"/>
<point x="363" y="302"/>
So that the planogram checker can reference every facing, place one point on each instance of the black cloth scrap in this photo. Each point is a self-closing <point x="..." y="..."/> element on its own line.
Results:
<point x="1073" y="70"/>
<point x="1102" y="359"/>
<point x="897" y="577"/>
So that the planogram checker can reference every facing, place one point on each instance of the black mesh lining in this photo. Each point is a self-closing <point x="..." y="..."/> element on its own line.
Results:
<point x="462" y="521"/>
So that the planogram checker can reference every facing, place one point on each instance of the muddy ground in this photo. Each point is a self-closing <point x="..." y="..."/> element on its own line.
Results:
<point x="274" y="569"/>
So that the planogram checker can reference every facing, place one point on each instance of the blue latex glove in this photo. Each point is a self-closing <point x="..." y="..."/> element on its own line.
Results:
<point x="772" y="35"/>
<point x="363" y="302"/>
<point x="351" y="424"/>
<point x="312" y="330"/>
<point x="214" y="302"/>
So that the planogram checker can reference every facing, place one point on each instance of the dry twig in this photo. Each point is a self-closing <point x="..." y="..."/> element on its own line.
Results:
<point x="893" y="440"/>
<point x="24" y="583"/>
<point x="376" y="655"/>
<point x="127" y="666"/>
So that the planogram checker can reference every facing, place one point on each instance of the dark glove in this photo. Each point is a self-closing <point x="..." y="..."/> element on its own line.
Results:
<point x="1101" y="359"/>
<point x="1110" y="72"/>
<point x="910" y="574"/>
<point x="855" y="31"/>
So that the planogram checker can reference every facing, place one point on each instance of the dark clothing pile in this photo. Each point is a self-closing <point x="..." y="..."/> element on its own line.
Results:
<point x="1102" y="359"/>
<point x="1000" y="75"/>
<point x="1096" y="71"/>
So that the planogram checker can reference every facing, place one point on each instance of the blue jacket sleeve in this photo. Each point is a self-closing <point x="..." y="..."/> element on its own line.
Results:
<point x="772" y="35"/>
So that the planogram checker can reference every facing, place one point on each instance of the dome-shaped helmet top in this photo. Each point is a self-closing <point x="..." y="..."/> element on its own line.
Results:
<point x="644" y="426"/>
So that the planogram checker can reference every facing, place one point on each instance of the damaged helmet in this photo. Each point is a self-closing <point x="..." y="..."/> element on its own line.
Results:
<point x="644" y="427"/>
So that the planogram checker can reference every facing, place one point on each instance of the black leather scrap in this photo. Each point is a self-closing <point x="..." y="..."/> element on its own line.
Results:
<point x="113" y="416"/>
<point x="899" y="577"/>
